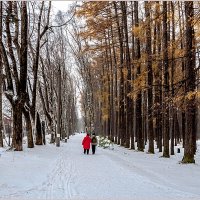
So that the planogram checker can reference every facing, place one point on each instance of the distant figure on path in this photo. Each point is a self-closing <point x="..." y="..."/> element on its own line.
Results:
<point x="94" y="143"/>
<point x="86" y="143"/>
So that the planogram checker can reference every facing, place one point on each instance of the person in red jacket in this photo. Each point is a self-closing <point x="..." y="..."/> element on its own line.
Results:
<point x="86" y="143"/>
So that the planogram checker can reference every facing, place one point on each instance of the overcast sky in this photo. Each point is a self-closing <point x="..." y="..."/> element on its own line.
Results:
<point x="61" y="5"/>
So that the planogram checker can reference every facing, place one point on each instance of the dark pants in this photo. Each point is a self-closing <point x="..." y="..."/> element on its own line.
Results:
<point x="86" y="150"/>
<point x="93" y="149"/>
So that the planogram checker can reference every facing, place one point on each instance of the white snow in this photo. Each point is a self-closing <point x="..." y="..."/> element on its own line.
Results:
<point x="49" y="172"/>
<point x="15" y="98"/>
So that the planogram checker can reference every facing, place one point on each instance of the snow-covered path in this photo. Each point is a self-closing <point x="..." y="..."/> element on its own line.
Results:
<point x="48" y="172"/>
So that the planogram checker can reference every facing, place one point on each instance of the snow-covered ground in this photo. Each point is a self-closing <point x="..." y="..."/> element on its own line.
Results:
<point x="49" y="172"/>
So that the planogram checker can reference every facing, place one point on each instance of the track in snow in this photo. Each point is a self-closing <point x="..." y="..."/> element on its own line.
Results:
<point x="118" y="174"/>
<point x="58" y="183"/>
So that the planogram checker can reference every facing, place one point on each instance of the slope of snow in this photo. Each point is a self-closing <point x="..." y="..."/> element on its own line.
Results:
<point x="49" y="172"/>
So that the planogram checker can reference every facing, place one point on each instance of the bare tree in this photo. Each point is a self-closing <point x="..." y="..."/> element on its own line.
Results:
<point x="16" y="93"/>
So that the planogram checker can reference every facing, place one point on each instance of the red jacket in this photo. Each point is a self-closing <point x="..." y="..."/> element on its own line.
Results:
<point x="86" y="142"/>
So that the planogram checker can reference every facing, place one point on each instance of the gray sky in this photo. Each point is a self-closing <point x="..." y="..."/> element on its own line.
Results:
<point x="61" y="5"/>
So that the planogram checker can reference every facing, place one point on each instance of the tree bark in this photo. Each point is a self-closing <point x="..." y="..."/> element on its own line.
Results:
<point x="132" y="78"/>
<point x="139" y="135"/>
<point x="28" y="128"/>
<point x="38" y="134"/>
<point x="190" y="135"/>
<point x="150" y="77"/>
<point x="166" y="83"/>
<point x="129" y="101"/>
<point x="17" y="127"/>
<point x="174" y="110"/>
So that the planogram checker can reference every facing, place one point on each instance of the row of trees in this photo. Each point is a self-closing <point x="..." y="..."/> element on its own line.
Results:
<point x="35" y="75"/>
<point x="139" y="67"/>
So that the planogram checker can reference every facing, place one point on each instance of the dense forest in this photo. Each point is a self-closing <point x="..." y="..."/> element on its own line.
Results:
<point x="139" y="62"/>
<point x="137" y="67"/>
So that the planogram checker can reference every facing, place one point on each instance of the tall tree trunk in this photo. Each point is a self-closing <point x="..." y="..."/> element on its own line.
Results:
<point x="107" y="88"/>
<point x="129" y="101"/>
<point x="116" y="112"/>
<point x="174" y="110"/>
<point x="139" y="135"/>
<point x="122" y="128"/>
<point x="18" y="103"/>
<point x="132" y="78"/>
<point x="190" y="135"/>
<point x="166" y="82"/>
<point x="111" y="99"/>
<point x="158" y="94"/>
<point x="158" y="80"/>
<point x="181" y="25"/>
<point x="150" y="77"/>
